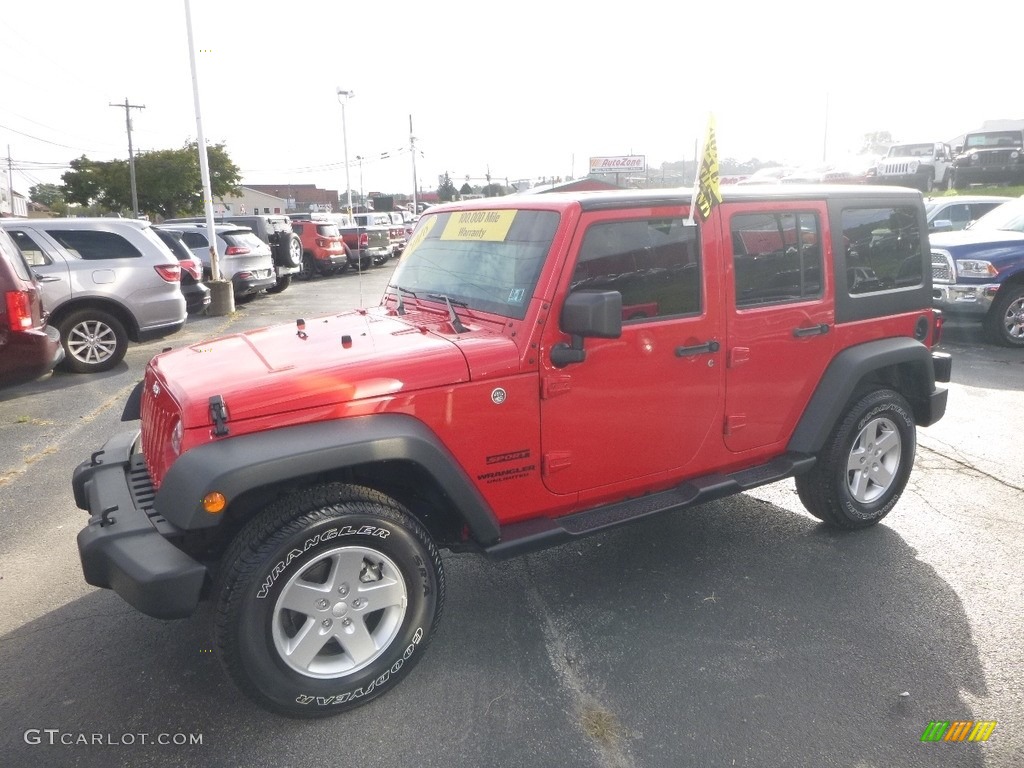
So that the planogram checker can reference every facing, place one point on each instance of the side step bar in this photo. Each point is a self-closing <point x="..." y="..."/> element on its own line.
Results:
<point x="541" y="533"/>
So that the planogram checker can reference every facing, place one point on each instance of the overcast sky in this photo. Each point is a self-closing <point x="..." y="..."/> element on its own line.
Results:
<point x="525" y="89"/>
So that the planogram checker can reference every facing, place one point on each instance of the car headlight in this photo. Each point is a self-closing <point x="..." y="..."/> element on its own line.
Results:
<point x="975" y="268"/>
<point x="913" y="165"/>
<point x="176" y="436"/>
<point x="1014" y="155"/>
<point x="975" y="159"/>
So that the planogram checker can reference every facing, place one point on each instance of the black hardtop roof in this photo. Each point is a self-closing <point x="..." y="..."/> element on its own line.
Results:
<point x="731" y="193"/>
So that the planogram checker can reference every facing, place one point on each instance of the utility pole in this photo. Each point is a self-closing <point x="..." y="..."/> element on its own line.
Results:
<point x="131" y="153"/>
<point x="412" y="146"/>
<point x="10" y="182"/>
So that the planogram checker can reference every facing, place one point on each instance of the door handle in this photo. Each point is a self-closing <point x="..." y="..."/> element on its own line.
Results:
<point x="699" y="349"/>
<point x="814" y="330"/>
<point x="48" y="278"/>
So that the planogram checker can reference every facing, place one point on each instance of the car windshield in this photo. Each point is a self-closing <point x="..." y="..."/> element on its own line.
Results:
<point x="911" y="150"/>
<point x="1008" y="216"/>
<point x="481" y="259"/>
<point x="994" y="139"/>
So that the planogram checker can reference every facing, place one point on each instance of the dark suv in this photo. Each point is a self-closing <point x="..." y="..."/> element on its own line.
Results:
<point x="497" y="401"/>
<point x="28" y="346"/>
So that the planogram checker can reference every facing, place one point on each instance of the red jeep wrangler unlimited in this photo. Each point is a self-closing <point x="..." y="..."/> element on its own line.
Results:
<point x="505" y="396"/>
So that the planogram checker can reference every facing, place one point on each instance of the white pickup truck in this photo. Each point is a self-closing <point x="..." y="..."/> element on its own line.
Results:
<point x="925" y="166"/>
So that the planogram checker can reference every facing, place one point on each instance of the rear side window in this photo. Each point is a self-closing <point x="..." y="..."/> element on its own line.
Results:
<point x="30" y="249"/>
<point x="195" y="239"/>
<point x="653" y="263"/>
<point x="883" y="249"/>
<point x="297" y="229"/>
<point x="173" y="242"/>
<point x="14" y="255"/>
<point x="776" y="258"/>
<point x="91" y="245"/>
<point x="244" y="239"/>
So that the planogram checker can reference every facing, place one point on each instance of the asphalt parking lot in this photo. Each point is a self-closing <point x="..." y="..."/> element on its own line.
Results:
<point x="741" y="633"/>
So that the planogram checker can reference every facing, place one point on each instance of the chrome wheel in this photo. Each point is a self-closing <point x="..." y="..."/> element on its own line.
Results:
<point x="339" y="612"/>
<point x="92" y="342"/>
<point x="1013" y="320"/>
<point x="874" y="460"/>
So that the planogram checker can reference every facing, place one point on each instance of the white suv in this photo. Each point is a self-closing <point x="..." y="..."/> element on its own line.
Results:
<point x="924" y="166"/>
<point x="105" y="282"/>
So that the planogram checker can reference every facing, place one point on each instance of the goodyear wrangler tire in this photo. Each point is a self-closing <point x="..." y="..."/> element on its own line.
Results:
<point x="326" y="600"/>
<point x="865" y="465"/>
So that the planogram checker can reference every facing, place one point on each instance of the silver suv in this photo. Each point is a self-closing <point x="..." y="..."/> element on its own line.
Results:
<point x="105" y="282"/>
<point x="242" y="257"/>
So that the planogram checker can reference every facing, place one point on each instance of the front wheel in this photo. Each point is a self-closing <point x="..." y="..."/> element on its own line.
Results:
<point x="326" y="600"/>
<point x="865" y="464"/>
<point x="93" y="341"/>
<point x="1005" y="319"/>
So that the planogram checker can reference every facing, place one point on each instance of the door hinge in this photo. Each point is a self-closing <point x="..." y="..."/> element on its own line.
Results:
<point x="552" y="386"/>
<point x="556" y="460"/>
<point x="734" y="424"/>
<point x="219" y="415"/>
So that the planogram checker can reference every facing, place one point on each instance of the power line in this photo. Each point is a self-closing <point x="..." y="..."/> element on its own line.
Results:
<point x="46" y="141"/>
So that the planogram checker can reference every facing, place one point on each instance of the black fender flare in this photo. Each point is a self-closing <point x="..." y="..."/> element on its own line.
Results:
<point x="844" y="373"/>
<point x="235" y="465"/>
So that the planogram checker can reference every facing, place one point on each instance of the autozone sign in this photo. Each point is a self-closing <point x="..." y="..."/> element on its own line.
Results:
<point x="618" y="164"/>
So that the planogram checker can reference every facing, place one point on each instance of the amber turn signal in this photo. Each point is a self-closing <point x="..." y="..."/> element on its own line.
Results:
<point x="214" y="502"/>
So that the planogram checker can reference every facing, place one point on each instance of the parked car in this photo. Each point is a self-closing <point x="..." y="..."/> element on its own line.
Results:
<point x="990" y="157"/>
<point x="924" y="166"/>
<point x="306" y="481"/>
<point x="323" y="250"/>
<point x="29" y="346"/>
<point x="979" y="272"/>
<point x="768" y="175"/>
<point x="276" y="231"/>
<point x="197" y="295"/>
<point x="243" y="258"/>
<point x="105" y="282"/>
<point x="947" y="214"/>
<point x="396" y="232"/>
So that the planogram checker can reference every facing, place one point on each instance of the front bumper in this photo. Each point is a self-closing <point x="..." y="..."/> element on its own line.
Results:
<point x="989" y="174"/>
<point x="917" y="181"/>
<point x="964" y="299"/>
<point x="126" y="545"/>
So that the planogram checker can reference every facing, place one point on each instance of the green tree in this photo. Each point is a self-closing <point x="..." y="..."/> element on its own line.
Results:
<point x="877" y="142"/>
<point x="446" y="191"/>
<point x="493" y="190"/>
<point x="465" y="189"/>
<point x="168" y="181"/>
<point x="50" y="195"/>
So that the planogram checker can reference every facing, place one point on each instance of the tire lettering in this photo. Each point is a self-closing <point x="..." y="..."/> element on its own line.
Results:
<point x="331" y="533"/>
<point x="358" y="693"/>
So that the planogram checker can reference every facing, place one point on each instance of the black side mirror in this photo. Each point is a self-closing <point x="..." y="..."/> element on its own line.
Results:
<point x="593" y="314"/>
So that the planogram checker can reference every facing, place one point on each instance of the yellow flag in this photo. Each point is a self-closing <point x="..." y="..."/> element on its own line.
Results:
<point x="707" y="193"/>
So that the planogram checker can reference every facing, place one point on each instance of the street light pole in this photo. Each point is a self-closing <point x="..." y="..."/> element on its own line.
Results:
<point x="344" y="137"/>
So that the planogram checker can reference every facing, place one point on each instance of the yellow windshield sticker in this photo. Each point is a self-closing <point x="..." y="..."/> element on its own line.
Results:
<point x="491" y="226"/>
<point x="420" y="234"/>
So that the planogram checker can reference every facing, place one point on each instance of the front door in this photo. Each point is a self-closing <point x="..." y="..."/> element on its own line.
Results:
<point x="640" y="405"/>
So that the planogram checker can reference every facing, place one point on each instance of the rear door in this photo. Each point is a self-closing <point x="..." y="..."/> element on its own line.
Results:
<point x="780" y="317"/>
<point x="643" y="404"/>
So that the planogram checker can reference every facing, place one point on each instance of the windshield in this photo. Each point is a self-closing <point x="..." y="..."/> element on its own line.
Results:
<point x="485" y="259"/>
<point x="994" y="139"/>
<point x="911" y="150"/>
<point x="1008" y="216"/>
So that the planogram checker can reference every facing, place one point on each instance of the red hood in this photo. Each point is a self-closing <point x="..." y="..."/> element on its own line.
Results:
<point x="274" y="370"/>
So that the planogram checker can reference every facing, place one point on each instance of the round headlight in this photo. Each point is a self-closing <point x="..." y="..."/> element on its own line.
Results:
<point x="913" y="165"/>
<point x="1014" y="155"/>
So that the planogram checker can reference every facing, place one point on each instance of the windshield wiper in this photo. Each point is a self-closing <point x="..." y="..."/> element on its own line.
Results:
<point x="399" y="290"/>
<point x="452" y="317"/>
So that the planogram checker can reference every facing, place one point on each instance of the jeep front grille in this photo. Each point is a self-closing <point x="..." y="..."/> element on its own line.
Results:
<point x="893" y="169"/>
<point x="998" y="156"/>
<point x="942" y="268"/>
<point x="159" y="414"/>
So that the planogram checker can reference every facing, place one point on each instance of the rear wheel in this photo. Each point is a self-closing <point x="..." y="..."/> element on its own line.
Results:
<point x="326" y="600"/>
<point x="93" y="341"/>
<point x="865" y="464"/>
<point x="308" y="271"/>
